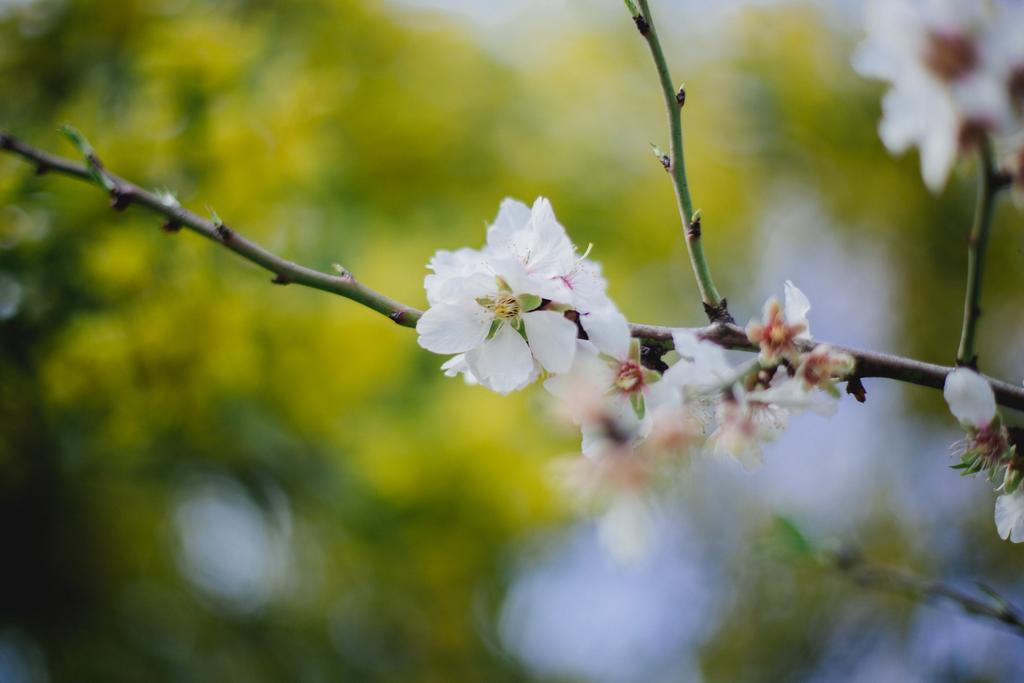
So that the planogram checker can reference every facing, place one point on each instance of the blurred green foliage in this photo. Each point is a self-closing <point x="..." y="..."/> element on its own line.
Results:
<point x="346" y="131"/>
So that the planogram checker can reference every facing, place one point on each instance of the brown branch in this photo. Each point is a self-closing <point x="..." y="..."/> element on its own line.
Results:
<point x="869" y="363"/>
<point x="996" y="608"/>
<point x="125" y="193"/>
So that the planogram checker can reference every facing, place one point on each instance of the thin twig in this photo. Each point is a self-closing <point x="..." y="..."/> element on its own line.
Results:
<point x="990" y="182"/>
<point x="996" y="608"/>
<point x="285" y="272"/>
<point x="869" y="363"/>
<point x="714" y="305"/>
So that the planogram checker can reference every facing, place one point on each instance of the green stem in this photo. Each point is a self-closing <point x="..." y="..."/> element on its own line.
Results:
<point x="989" y="184"/>
<point x="714" y="304"/>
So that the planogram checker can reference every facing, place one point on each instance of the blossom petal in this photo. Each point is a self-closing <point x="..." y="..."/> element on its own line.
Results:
<point x="939" y="148"/>
<point x="451" y="271"/>
<point x="608" y="329"/>
<point x="551" y="253"/>
<point x="797" y="307"/>
<point x="793" y="397"/>
<point x="970" y="398"/>
<point x="514" y="272"/>
<point x="457" y="365"/>
<point x="453" y="328"/>
<point x="589" y="288"/>
<point x="503" y="363"/>
<point x="660" y="394"/>
<point x="702" y="364"/>
<point x="1010" y="516"/>
<point x="552" y="339"/>
<point x="513" y="216"/>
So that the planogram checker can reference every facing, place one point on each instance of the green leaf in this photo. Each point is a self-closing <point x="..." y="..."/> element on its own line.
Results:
<point x="631" y="6"/>
<point x="77" y="139"/>
<point x="789" y="537"/>
<point x="86" y="150"/>
<point x="214" y="217"/>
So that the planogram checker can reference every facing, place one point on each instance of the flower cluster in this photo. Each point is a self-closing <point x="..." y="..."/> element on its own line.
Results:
<point x="501" y="309"/>
<point x="987" y="448"/>
<point x="528" y="306"/>
<point x="956" y="70"/>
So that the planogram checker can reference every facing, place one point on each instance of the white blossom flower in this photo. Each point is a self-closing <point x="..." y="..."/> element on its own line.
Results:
<point x="618" y="482"/>
<point x="948" y="71"/>
<point x="822" y="366"/>
<point x="970" y="398"/>
<point x="1010" y="516"/>
<point x="608" y="369"/>
<point x="793" y="396"/>
<point x="675" y="428"/>
<point x="744" y="424"/>
<point x="530" y="242"/>
<point x="781" y="328"/>
<point x="812" y="386"/>
<point x="487" y="305"/>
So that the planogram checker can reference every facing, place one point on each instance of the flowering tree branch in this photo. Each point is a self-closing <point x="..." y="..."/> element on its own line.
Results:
<point x="715" y="305"/>
<point x="996" y="608"/>
<point x="124" y="193"/>
<point x="990" y="182"/>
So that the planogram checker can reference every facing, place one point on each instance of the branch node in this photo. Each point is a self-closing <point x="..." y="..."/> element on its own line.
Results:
<point x="719" y="313"/>
<point x="641" y="24"/>
<point x="855" y="388"/>
<point x="280" y="279"/>
<point x="6" y="141"/>
<point x="171" y="226"/>
<point x="224" y="232"/>
<point x="971" y="362"/>
<point x="342" y="272"/>
<point x="681" y="96"/>
<point x="1000" y="179"/>
<point x="120" y="198"/>
<point x="693" y="229"/>
<point x="651" y="357"/>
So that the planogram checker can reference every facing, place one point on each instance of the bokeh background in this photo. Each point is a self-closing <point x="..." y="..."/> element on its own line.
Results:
<point x="206" y="478"/>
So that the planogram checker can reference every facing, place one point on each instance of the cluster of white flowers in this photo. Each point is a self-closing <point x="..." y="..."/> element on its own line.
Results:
<point x="501" y="309"/>
<point x="987" y="448"/>
<point x="956" y="68"/>
<point x="527" y="306"/>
